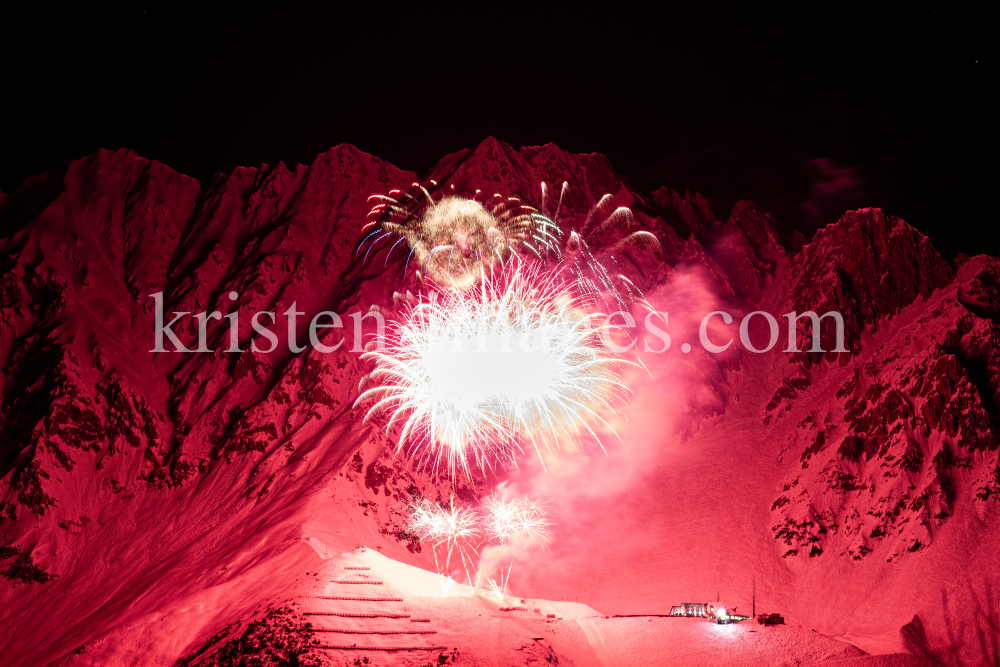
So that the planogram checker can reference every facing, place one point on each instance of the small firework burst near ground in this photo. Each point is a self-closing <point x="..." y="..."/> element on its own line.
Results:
<point x="520" y="522"/>
<point x="471" y="377"/>
<point x="438" y="525"/>
<point x="452" y="530"/>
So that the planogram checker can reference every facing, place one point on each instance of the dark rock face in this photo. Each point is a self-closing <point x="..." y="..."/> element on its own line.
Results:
<point x="884" y="459"/>
<point x="78" y="313"/>
<point x="880" y="445"/>
<point x="867" y="266"/>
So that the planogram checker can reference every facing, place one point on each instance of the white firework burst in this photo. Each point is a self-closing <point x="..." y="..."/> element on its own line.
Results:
<point x="471" y="376"/>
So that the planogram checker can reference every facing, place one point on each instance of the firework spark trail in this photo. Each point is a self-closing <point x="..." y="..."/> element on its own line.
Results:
<point x="499" y="588"/>
<point x="471" y="376"/>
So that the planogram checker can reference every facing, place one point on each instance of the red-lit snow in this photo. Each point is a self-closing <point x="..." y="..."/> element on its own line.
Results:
<point x="150" y="501"/>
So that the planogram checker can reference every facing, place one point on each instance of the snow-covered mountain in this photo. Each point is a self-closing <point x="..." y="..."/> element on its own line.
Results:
<point x="150" y="500"/>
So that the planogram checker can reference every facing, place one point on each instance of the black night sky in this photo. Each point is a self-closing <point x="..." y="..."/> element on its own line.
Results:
<point x="808" y="114"/>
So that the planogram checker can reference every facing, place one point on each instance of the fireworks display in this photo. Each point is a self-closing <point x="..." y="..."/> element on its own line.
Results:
<point x="470" y="377"/>
<point x="502" y="347"/>
<point x="435" y="236"/>
<point x="589" y="275"/>
<point x="520" y="522"/>
<point x="451" y="530"/>
<point x="450" y="526"/>
<point x="455" y="240"/>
